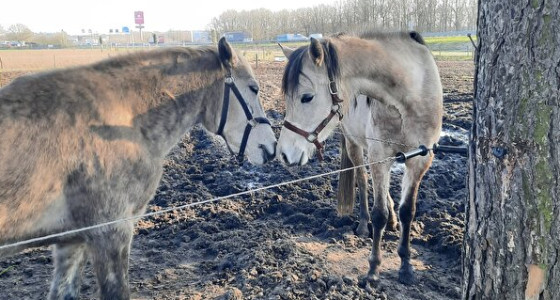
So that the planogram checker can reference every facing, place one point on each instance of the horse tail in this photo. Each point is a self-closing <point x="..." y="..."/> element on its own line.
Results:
<point x="346" y="194"/>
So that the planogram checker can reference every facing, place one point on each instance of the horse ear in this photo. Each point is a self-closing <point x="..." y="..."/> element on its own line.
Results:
<point x="316" y="52"/>
<point x="226" y="53"/>
<point x="286" y="50"/>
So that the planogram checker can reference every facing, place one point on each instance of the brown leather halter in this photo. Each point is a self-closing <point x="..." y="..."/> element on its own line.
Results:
<point x="336" y="107"/>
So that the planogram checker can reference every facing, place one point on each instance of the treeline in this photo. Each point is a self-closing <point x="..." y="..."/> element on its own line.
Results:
<point x="22" y="35"/>
<point x="351" y="16"/>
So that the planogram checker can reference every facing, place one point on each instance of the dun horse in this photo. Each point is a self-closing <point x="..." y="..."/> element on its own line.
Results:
<point x="404" y="105"/>
<point x="84" y="146"/>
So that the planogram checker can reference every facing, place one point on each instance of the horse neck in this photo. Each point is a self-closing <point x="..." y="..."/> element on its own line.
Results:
<point x="167" y="113"/>
<point x="368" y="67"/>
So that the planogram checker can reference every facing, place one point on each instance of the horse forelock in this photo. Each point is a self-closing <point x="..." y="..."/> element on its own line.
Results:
<point x="333" y="64"/>
<point x="290" y="79"/>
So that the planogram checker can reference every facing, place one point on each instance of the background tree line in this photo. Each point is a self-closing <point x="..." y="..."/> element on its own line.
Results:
<point x="352" y="15"/>
<point x="21" y="33"/>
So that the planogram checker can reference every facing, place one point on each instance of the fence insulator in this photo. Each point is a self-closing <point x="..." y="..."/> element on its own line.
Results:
<point x="403" y="156"/>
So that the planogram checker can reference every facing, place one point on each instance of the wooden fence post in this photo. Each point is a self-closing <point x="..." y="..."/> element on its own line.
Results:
<point x="1" y="70"/>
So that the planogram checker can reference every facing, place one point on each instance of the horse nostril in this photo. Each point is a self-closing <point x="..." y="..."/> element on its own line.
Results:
<point x="266" y="154"/>
<point x="273" y="154"/>
<point x="285" y="158"/>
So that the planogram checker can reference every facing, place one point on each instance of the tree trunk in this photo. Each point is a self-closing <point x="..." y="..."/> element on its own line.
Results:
<point x="511" y="247"/>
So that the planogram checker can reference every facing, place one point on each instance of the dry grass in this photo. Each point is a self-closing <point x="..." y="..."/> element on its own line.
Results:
<point x="38" y="60"/>
<point x="15" y="63"/>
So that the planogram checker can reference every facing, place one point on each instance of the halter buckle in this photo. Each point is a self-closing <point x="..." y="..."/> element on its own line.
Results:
<point x="311" y="137"/>
<point x="337" y="109"/>
<point x="229" y="79"/>
<point x="332" y="88"/>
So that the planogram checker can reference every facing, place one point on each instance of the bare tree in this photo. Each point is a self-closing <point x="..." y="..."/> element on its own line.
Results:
<point x="304" y="21"/>
<point x="352" y="15"/>
<point x="19" y="32"/>
<point x="512" y="239"/>
<point x="283" y="22"/>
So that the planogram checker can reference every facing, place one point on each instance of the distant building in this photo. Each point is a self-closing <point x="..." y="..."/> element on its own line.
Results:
<point x="289" y="37"/>
<point x="178" y="37"/>
<point x="238" y="37"/>
<point x="201" y="37"/>
<point x="316" y="35"/>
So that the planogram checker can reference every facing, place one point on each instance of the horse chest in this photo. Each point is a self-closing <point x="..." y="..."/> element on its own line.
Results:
<point x="94" y="192"/>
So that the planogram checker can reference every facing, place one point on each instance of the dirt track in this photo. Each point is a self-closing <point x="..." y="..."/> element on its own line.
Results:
<point x="283" y="243"/>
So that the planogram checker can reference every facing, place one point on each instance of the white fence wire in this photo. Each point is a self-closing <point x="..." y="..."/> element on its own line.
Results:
<point x="163" y="211"/>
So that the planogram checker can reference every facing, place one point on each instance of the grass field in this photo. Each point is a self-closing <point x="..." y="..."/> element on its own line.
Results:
<point x="448" y="39"/>
<point x="36" y="60"/>
<point x="443" y="48"/>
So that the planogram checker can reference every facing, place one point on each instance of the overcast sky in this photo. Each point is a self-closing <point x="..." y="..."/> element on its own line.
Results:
<point x="160" y="15"/>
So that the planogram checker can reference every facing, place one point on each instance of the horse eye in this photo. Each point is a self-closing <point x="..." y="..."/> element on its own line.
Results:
<point x="307" y="98"/>
<point x="254" y="88"/>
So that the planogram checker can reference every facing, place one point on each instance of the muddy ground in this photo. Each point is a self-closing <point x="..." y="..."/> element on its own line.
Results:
<point x="282" y="243"/>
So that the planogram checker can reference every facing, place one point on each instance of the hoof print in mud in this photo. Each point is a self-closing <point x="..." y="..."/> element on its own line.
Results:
<point x="368" y="283"/>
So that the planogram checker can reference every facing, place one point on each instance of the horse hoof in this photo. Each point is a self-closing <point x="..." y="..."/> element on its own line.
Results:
<point x="392" y="225"/>
<point x="362" y="230"/>
<point x="406" y="276"/>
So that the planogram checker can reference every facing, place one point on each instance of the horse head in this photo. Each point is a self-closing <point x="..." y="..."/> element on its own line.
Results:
<point x="313" y="105"/>
<point x="243" y="123"/>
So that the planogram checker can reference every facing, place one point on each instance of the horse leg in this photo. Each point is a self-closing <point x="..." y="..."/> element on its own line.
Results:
<point x="392" y="224"/>
<point x="352" y="155"/>
<point x="415" y="170"/>
<point x="110" y="249"/>
<point x="69" y="261"/>
<point x="380" y="214"/>
<point x="357" y="156"/>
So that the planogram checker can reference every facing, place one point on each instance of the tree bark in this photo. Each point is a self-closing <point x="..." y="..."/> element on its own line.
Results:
<point x="512" y="239"/>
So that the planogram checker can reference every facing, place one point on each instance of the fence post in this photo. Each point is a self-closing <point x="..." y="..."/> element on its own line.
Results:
<point x="256" y="60"/>
<point x="1" y="70"/>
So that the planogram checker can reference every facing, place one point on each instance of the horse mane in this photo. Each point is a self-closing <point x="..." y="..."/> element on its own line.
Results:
<point x="290" y="79"/>
<point x="153" y="57"/>
<point x="403" y="35"/>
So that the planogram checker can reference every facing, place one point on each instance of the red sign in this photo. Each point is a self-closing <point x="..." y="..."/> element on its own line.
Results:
<point x="139" y="17"/>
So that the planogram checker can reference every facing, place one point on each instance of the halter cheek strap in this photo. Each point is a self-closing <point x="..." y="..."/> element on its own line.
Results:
<point x="229" y="86"/>
<point x="336" y="109"/>
<point x="313" y="137"/>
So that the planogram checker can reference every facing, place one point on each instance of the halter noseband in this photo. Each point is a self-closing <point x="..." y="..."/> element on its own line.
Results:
<point x="313" y="137"/>
<point x="229" y="85"/>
